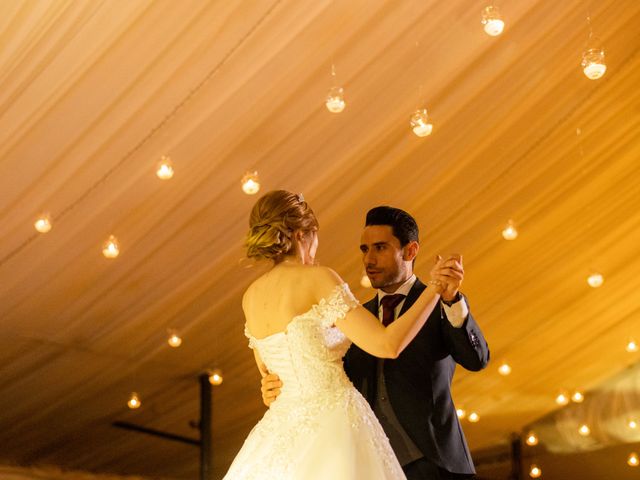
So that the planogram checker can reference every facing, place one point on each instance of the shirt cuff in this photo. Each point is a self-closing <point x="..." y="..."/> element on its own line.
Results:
<point x="456" y="313"/>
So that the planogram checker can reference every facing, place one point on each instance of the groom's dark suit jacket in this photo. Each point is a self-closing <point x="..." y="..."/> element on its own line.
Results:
<point x="419" y="382"/>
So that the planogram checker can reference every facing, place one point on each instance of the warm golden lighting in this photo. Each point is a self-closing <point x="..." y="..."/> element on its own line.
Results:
<point x="474" y="417"/>
<point x="335" y="100"/>
<point x="250" y="183"/>
<point x="633" y="461"/>
<point x="365" y="282"/>
<point x="632" y="424"/>
<point x="43" y="223"/>
<point x="584" y="430"/>
<point x="111" y="248"/>
<point x="174" y="339"/>
<point x="577" y="397"/>
<point x="510" y="232"/>
<point x="504" y="369"/>
<point x="461" y="413"/>
<point x="215" y="377"/>
<point x="535" y="471"/>
<point x="532" y="439"/>
<point x="595" y="280"/>
<point x="420" y="123"/>
<point x="593" y="64"/>
<point x="562" y="399"/>
<point x="165" y="168"/>
<point x="134" y="401"/>
<point x="492" y="21"/>
<point x="632" y="346"/>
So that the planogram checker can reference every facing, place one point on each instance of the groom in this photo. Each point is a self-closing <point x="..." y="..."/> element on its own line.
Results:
<point x="411" y="395"/>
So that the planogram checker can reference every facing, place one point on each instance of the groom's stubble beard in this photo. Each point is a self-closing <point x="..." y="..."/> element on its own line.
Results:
<point x="394" y="278"/>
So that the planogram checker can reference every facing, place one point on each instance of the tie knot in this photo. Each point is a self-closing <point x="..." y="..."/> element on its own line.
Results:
<point x="391" y="301"/>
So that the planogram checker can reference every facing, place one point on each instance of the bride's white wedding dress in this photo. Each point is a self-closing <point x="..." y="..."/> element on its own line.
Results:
<point x="319" y="427"/>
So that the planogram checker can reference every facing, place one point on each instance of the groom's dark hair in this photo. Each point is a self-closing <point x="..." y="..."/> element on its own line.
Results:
<point x="403" y="225"/>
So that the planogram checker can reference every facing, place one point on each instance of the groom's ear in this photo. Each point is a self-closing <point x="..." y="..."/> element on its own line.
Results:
<point x="410" y="251"/>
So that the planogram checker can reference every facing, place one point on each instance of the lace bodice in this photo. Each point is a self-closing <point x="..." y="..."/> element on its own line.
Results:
<point x="307" y="356"/>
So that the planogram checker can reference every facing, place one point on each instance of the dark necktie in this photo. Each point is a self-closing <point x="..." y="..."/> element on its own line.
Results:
<point x="389" y="304"/>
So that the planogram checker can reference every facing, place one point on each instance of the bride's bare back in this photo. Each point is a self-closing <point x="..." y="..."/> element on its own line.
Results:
<point x="278" y="296"/>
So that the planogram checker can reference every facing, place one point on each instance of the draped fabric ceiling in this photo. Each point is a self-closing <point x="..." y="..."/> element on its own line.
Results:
<point x="92" y="93"/>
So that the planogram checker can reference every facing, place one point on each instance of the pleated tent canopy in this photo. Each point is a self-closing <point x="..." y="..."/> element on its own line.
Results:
<point x="94" y="93"/>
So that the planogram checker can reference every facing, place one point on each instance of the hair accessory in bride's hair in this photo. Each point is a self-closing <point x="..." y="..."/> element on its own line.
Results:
<point x="300" y="197"/>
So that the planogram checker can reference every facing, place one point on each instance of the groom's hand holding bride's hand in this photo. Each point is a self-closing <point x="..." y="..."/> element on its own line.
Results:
<point x="270" y="386"/>
<point x="450" y="272"/>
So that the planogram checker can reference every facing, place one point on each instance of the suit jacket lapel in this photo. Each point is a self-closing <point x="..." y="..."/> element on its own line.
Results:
<point x="414" y="293"/>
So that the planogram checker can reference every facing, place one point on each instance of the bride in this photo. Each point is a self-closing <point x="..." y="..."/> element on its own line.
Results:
<point x="300" y="321"/>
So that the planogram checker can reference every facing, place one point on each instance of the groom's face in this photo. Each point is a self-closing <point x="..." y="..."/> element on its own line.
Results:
<point x="384" y="258"/>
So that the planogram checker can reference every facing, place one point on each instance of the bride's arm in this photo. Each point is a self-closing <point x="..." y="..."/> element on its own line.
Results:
<point x="366" y="331"/>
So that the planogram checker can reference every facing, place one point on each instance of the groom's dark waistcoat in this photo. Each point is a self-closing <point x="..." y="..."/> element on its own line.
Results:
<point x="419" y="382"/>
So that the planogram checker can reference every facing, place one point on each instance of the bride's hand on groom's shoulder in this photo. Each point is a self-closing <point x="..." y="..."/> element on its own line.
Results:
<point x="270" y="386"/>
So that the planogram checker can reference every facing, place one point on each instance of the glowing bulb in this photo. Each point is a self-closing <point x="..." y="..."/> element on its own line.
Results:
<point x="535" y="471"/>
<point x="632" y="424"/>
<point x="420" y="123"/>
<point x="510" y="232"/>
<point x="633" y="461"/>
<point x="134" y="401"/>
<point x="165" y="168"/>
<point x="474" y="417"/>
<point x="532" y="439"/>
<point x="632" y="346"/>
<point x="43" y="223"/>
<point x="584" y="430"/>
<point x="504" y="369"/>
<point x="461" y="413"/>
<point x="593" y="64"/>
<point x="492" y="21"/>
<point x="365" y="282"/>
<point x="577" y="397"/>
<point x="562" y="399"/>
<point x="111" y="248"/>
<point x="595" y="280"/>
<point x="335" y="100"/>
<point x="250" y="183"/>
<point x="215" y="377"/>
<point x="174" y="339"/>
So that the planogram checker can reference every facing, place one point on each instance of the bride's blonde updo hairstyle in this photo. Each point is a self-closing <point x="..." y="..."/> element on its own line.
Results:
<point x="274" y="218"/>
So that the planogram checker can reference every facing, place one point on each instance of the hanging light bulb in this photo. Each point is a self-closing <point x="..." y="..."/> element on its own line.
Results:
<point x="632" y="346"/>
<point x="595" y="280"/>
<point x="365" y="281"/>
<point x="492" y="21"/>
<point x="215" y="377"/>
<point x="250" y="183"/>
<point x="474" y="417"/>
<point x="164" y="170"/>
<point x="535" y="471"/>
<point x="504" y="369"/>
<point x="111" y="248"/>
<point x="461" y="413"/>
<point x="335" y="98"/>
<point x="134" y="401"/>
<point x="577" y="397"/>
<point x="510" y="232"/>
<point x="420" y="123"/>
<point x="593" y="64"/>
<point x="43" y="223"/>
<point x="584" y="430"/>
<point x="532" y="439"/>
<point x="632" y="424"/>
<point x="562" y="399"/>
<point x="633" y="460"/>
<point x="174" y="339"/>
